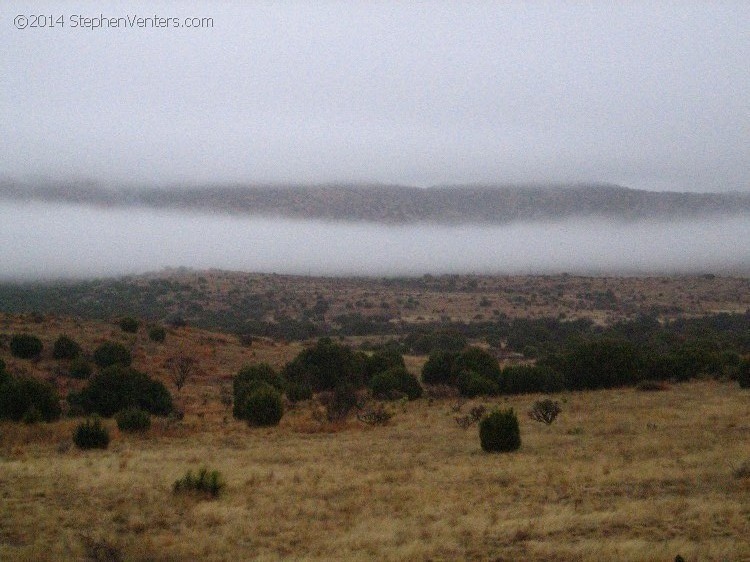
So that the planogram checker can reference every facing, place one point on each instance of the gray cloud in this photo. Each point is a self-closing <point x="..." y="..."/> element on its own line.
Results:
<point x="648" y="95"/>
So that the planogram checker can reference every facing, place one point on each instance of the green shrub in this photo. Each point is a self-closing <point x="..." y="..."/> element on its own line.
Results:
<point x="499" y="432"/>
<point x="394" y="383"/>
<point x="471" y="384"/>
<point x="248" y="379"/>
<point x="743" y="374"/>
<point x="112" y="353"/>
<point x="297" y="392"/>
<point x="79" y="369"/>
<point x="526" y="379"/>
<point x="263" y="406"/>
<point x="118" y="388"/>
<point x="342" y="402"/>
<point x="439" y="368"/>
<point x="157" y="334"/>
<point x="129" y="325"/>
<point x="66" y="348"/>
<point x="477" y="360"/>
<point x="133" y="420"/>
<point x="91" y="434"/>
<point x="326" y="366"/>
<point x="19" y="395"/>
<point x="382" y="361"/>
<point x="25" y="346"/>
<point x="209" y="483"/>
<point x="601" y="363"/>
<point x="545" y="411"/>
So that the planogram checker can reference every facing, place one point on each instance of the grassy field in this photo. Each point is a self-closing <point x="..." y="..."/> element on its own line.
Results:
<point x="621" y="475"/>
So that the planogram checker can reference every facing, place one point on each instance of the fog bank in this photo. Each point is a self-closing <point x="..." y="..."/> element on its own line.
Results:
<point x="52" y="241"/>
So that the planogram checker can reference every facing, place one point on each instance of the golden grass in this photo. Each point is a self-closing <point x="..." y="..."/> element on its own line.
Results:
<point x="621" y="475"/>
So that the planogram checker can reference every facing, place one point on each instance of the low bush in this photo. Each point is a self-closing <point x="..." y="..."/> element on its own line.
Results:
<point x="129" y="325"/>
<point x="263" y="406"/>
<point x="439" y="368"/>
<point x="66" y="348"/>
<point x="545" y="411"/>
<point x="471" y="384"/>
<point x="499" y="432"/>
<point x="382" y="361"/>
<point x="133" y="420"/>
<point x="118" y="388"/>
<point x="91" y="434"/>
<point x="248" y="379"/>
<point x="26" y="346"/>
<point x="527" y="379"/>
<point x="394" y="383"/>
<point x="297" y="392"/>
<point x="80" y="369"/>
<point x="205" y="482"/>
<point x="157" y="334"/>
<point x="112" y="353"/>
<point x="343" y="401"/>
<point x="20" y="395"/>
<point x="377" y="415"/>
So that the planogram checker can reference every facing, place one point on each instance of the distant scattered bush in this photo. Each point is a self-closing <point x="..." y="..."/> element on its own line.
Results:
<point x="157" y="334"/>
<point x="471" y="384"/>
<point x="91" y="434"/>
<point x="263" y="406"/>
<point x="209" y="483"/>
<point x="129" y="325"/>
<point x="111" y="353"/>
<point x="248" y="379"/>
<point x="394" y="383"/>
<point x="118" y="388"/>
<point x="20" y="395"/>
<point x="499" y="432"/>
<point x="545" y="411"/>
<point x="133" y="420"/>
<point x="79" y="369"/>
<point x="25" y="346"/>
<point x="66" y="348"/>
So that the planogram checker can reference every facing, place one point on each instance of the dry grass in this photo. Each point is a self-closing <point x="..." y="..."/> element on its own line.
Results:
<point x="621" y="475"/>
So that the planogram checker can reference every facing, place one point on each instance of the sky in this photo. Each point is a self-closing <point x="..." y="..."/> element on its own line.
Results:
<point x="652" y="95"/>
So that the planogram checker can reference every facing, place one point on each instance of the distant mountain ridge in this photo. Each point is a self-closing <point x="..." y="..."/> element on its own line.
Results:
<point x="460" y="204"/>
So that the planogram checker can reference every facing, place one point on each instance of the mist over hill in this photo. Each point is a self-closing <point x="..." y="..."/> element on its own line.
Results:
<point x="454" y="204"/>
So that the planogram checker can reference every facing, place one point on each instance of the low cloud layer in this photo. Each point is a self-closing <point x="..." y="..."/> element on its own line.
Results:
<point x="51" y="241"/>
<point x="650" y="95"/>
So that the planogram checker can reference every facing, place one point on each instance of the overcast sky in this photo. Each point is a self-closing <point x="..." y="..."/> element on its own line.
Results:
<point x="649" y="95"/>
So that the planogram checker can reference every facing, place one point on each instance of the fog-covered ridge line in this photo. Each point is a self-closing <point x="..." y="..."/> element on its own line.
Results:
<point x="453" y="204"/>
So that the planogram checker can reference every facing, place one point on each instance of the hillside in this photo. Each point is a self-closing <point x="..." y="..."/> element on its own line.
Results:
<point x="398" y="204"/>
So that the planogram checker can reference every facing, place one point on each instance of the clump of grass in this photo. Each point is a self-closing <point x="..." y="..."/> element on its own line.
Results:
<point x="206" y="482"/>
<point x="545" y="411"/>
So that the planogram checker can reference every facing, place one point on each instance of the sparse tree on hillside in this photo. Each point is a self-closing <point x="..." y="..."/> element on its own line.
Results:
<point x="181" y="368"/>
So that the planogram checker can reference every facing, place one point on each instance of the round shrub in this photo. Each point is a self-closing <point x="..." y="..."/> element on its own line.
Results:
<point x="19" y="395"/>
<point x="471" y="384"/>
<point x="117" y="388"/>
<point x="248" y="379"/>
<point x="263" y="406"/>
<point x="439" y="368"/>
<point x="129" y="325"/>
<point x="394" y="383"/>
<point x="79" y="369"/>
<point x="25" y="346"/>
<point x="743" y="374"/>
<point x="382" y="361"/>
<point x="477" y="360"/>
<point x="133" y="420"/>
<point x="297" y="392"/>
<point x="66" y="348"/>
<point x="499" y="432"/>
<point x="91" y="434"/>
<point x="325" y="366"/>
<point x="157" y="334"/>
<point x="111" y="353"/>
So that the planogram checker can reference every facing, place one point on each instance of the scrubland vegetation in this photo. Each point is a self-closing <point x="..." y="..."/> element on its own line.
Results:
<point x="560" y="440"/>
